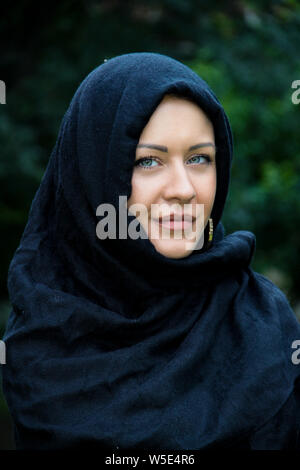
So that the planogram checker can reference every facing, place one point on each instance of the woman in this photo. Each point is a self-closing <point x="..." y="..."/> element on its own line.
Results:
<point x="141" y="342"/>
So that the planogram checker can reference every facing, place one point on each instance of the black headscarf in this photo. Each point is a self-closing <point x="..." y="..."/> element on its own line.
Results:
<point x="111" y="344"/>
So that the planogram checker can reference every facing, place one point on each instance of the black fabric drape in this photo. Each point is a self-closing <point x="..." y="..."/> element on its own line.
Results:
<point x="109" y="343"/>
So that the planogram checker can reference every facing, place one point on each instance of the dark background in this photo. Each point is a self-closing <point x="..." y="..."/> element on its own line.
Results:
<point x="248" y="52"/>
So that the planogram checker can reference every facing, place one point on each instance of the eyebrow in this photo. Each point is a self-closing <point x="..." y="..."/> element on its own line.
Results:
<point x="163" y="148"/>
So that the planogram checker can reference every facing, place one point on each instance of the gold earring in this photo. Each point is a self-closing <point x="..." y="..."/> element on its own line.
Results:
<point x="211" y="230"/>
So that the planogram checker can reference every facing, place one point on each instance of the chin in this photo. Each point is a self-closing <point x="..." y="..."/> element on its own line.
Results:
<point x="172" y="249"/>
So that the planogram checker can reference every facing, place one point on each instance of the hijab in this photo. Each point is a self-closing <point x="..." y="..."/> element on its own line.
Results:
<point x="111" y="344"/>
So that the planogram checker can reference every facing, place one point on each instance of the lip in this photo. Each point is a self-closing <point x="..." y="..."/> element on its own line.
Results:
<point x="176" y="221"/>
<point x="176" y="217"/>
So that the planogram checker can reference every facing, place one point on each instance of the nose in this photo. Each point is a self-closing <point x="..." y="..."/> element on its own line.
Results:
<point x="178" y="184"/>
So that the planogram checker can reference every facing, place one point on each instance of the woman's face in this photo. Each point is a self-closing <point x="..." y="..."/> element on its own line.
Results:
<point x="175" y="165"/>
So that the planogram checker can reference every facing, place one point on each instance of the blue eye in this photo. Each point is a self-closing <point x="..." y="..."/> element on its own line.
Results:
<point x="145" y="160"/>
<point x="207" y="159"/>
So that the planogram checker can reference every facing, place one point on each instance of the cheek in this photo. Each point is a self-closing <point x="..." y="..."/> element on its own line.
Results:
<point x="207" y="189"/>
<point x="141" y="192"/>
<point x="212" y="188"/>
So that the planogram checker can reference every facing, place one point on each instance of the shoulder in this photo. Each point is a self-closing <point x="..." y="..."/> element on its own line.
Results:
<point x="275" y="301"/>
<point x="267" y="295"/>
<point x="269" y="286"/>
<point x="271" y="319"/>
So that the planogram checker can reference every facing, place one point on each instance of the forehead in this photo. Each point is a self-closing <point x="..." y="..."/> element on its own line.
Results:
<point x="177" y="117"/>
<point x="172" y="99"/>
